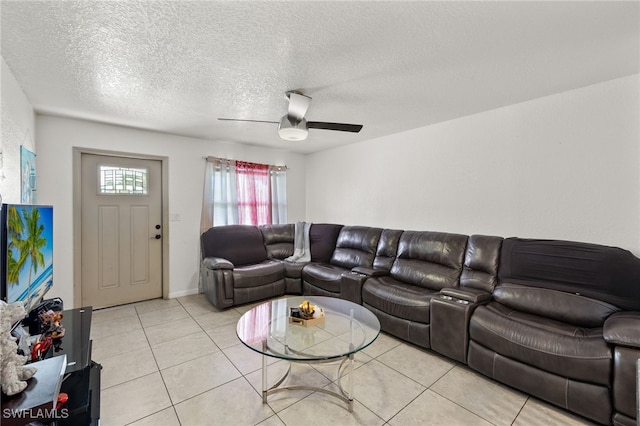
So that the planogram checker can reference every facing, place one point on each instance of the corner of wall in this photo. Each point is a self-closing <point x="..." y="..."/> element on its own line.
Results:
<point x="18" y="129"/>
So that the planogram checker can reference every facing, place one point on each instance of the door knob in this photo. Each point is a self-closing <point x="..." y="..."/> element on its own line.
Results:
<point x="157" y="237"/>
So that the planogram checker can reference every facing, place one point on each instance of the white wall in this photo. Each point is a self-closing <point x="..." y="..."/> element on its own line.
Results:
<point x="564" y="166"/>
<point x="17" y="128"/>
<point x="56" y="139"/>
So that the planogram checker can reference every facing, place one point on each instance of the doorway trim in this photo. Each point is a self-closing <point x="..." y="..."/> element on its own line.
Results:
<point x="77" y="216"/>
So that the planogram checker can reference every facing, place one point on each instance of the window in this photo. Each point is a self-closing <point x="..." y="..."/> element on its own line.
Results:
<point x="239" y="192"/>
<point x="121" y="180"/>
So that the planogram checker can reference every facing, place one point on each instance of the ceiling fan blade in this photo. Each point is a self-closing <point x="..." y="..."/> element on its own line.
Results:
<point x="252" y="121"/>
<point x="298" y="105"/>
<point x="342" y="127"/>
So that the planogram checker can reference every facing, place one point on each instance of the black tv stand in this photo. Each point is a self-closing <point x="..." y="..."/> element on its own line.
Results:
<point x="81" y="380"/>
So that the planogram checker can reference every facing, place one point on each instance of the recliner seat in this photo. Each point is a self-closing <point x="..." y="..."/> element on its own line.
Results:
<point x="355" y="247"/>
<point x="543" y="331"/>
<point x="279" y="243"/>
<point x="426" y="262"/>
<point x="236" y="268"/>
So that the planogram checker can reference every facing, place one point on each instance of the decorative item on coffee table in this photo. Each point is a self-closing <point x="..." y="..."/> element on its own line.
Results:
<point x="307" y="315"/>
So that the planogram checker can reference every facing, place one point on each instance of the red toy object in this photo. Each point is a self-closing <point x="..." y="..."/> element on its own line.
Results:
<point x="40" y="348"/>
<point x="62" y="399"/>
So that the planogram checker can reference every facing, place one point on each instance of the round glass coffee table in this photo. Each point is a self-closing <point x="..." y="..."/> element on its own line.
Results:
<point x="347" y="328"/>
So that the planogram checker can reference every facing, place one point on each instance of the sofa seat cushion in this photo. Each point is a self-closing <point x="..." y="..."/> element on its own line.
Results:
<point x="324" y="275"/>
<point x="399" y="299"/>
<point x="293" y="269"/>
<point x="566" y="350"/>
<point x="258" y="274"/>
<point x="559" y="305"/>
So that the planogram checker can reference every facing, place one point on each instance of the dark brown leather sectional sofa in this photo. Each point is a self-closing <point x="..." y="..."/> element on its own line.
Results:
<point x="559" y="320"/>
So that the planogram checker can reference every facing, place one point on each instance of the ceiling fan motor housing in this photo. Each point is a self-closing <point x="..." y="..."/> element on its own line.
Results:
<point x="292" y="130"/>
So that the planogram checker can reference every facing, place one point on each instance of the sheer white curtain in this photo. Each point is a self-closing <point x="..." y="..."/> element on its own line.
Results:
<point x="222" y="189"/>
<point x="278" y="176"/>
<point x="220" y="198"/>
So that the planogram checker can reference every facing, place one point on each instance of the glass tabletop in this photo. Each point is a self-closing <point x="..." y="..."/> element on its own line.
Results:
<point x="347" y="328"/>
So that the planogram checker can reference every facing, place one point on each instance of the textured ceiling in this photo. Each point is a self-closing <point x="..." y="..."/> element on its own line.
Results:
<point x="175" y="66"/>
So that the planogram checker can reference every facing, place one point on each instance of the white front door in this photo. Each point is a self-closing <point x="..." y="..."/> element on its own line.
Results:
<point x="121" y="230"/>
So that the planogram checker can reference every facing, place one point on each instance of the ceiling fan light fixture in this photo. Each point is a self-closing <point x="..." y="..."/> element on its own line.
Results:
<point x="296" y="131"/>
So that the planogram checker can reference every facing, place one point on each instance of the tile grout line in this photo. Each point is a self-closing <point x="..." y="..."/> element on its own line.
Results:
<point x="521" y="408"/>
<point x="426" y="388"/>
<point x="458" y="364"/>
<point x="219" y="349"/>
<point x="137" y="314"/>
<point x="158" y="371"/>
<point x="243" y="376"/>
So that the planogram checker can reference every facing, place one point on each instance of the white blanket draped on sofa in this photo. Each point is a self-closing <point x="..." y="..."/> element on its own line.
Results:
<point x="301" y="244"/>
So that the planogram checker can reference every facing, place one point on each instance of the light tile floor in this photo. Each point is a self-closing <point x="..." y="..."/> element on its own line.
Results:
<point x="179" y="362"/>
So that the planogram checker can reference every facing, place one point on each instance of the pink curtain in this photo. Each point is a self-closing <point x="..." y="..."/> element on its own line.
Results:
<point x="254" y="193"/>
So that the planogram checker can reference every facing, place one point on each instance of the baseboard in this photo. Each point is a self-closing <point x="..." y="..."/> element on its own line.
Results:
<point x="175" y="294"/>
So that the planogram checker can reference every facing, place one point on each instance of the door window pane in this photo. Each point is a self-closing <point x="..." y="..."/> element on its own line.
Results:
<point x="122" y="180"/>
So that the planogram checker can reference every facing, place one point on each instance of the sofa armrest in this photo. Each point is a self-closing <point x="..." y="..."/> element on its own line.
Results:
<point x="623" y="328"/>
<point x="216" y="275"/>
<point x="351" y="286"/>
<point x="216" y="263"/>
<point x="450" y="313"/>
<point x="370" y="272"/>
<point x="471" y="295"/>
<point x="352" y="282"/>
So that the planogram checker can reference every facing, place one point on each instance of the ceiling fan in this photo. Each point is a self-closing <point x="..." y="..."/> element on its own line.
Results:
<point x="294" y="127"/>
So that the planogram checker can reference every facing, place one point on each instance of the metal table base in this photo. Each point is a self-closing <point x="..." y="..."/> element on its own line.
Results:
<point x="346" y="396"/>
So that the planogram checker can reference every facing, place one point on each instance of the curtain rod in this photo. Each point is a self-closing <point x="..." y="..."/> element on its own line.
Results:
<point x="227" y="160"/>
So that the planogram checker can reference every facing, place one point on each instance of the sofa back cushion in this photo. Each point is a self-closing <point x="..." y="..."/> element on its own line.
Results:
<point x="481" y="260"/>
<point x="557" y="305"/>
<point x="356" y="246"/>
<point x="610" y="274"/>
<point x="278" y="240"/>
<point x="387" y="249"/>
<point x="322" y="241"/>
<point x="429" y="259"/>
<point x="239" y="244"/>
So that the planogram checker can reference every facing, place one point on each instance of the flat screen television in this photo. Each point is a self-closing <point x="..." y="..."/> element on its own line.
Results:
<point x="26" y="253"/>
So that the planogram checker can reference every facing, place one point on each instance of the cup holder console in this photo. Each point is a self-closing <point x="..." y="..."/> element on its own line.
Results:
<point x="450" y="326"/>
<point x="461" y="301"/>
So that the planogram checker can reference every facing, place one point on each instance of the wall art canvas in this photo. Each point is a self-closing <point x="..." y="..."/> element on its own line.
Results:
<point x="27" y="176"/>
<point x="27" y="249"/>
